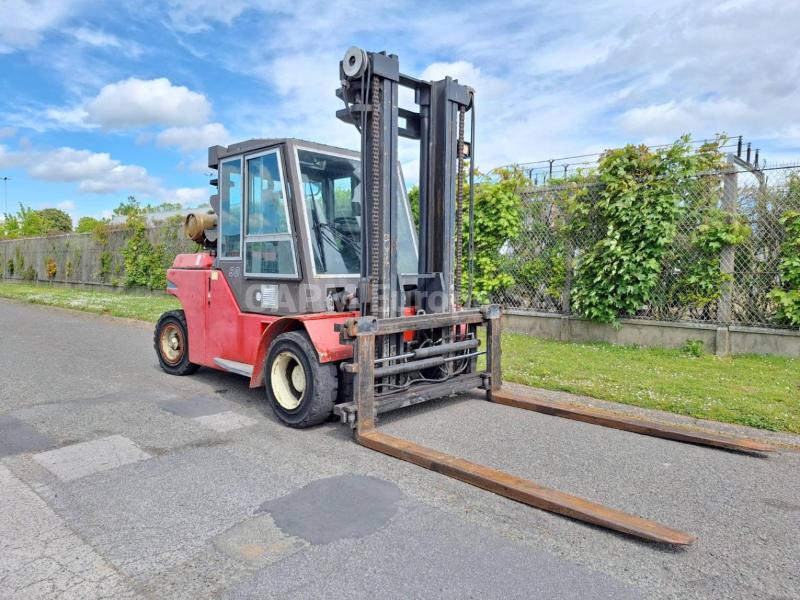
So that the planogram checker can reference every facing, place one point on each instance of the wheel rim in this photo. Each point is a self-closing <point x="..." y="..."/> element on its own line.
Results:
<point x="171" y="343"/>
<point x="288" y="380"/>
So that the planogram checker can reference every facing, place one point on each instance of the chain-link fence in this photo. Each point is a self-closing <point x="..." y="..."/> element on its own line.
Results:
<point x="709" y="272"/>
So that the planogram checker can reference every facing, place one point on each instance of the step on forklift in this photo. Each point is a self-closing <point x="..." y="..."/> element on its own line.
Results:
<point x="315" y="284"/>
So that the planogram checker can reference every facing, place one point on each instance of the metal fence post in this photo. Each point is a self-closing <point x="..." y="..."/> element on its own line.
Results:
<point x="566" y="292"/>
<point x="730" y="204"/>
<point x="565" y="330"/>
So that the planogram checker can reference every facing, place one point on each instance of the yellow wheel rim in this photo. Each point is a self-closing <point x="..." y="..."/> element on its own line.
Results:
<point x="288" y="380"/>
<point x="172" y="345"/>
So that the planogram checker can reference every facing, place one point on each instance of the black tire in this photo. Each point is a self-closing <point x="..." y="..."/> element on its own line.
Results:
<point x="293" y="406"/>
<point x="173" y="355"/>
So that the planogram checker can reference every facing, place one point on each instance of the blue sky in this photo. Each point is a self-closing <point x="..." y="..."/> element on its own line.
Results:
<point x="101" y="100"/>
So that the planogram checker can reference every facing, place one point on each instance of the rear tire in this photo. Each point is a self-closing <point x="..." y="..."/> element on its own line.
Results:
<point x="300" y="389"/>
<point x="171" y="341"/>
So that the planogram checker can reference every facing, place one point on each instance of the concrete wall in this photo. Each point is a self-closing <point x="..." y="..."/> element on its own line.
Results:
<point x="82" y="258"/>
<point x="719" y="340"/>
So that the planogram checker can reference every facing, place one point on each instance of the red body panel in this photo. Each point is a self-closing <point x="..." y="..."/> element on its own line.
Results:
<point x="200" y="260"/>
<point x="219" y="329"/>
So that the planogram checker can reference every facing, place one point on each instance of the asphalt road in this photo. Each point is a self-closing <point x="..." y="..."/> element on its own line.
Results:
<point x="119" y="481"/>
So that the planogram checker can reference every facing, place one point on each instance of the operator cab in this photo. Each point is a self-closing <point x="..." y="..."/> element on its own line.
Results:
<point x="288" y="236"/>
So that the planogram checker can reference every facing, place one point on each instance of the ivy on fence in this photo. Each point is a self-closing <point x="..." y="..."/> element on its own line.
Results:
<point x="498" y="218"/>
<point x="788" y="296"/>
<point x="642" y="194"/>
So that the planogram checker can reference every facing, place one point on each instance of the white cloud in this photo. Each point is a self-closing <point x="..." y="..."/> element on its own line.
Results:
<point x="95" y="173"/>
<point x="25" y="22"/>
<point x="66" y="205"/>
<point x="197" y="165"/>
<point x="139" y="103"/>
<point x="128" y="104"/>
<point x="191" y="139"/>
<point x="186" y="196"/>
<point x="683" y="116"/>
<point x="193" y="16"/>
<point x="552" y="78"/>
<point x="305" y="105"/>
<point x="67" y="117"/>
<point x="95" y="37"/>
<point x="9" y="159"/>
<point x="7" y="132"/>
<point x="102" y="39"/>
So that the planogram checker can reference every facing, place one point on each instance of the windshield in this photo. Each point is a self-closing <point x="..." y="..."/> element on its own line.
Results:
<point x="332" y="191"/>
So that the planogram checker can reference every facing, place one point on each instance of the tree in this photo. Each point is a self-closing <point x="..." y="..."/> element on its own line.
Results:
<point x="129" y="208"/>
<point x="413" y="200"/>
<point x="164" y="207"/>
<point x="86" y="225"/>
<point x="55" y="220"/>
<point x="26" y="223"/>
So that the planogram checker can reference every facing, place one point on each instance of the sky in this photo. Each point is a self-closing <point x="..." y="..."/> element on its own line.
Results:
<point x="102" y="100"/>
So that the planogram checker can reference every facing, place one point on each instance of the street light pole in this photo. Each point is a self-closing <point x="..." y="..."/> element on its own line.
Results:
<point x="5" y="192"/>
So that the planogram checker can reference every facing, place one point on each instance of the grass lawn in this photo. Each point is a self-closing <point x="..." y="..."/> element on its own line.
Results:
<point x="141" y="307"/>
<point x="760" y="391"/>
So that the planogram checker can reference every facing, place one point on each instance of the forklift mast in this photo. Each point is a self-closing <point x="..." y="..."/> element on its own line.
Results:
<point x="370" y="90"/>
<point x="413" y="340"/>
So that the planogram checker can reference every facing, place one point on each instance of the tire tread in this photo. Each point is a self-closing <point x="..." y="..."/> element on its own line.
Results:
<point x="184" y="367"/>
<point x="325" y="383"/>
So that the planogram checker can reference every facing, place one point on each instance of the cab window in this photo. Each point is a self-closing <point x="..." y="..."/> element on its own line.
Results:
<point x="331" y="188"/>
<point x="266" y="202"/>
<point x="230" y="197"/>
<point x="269" y="244"/>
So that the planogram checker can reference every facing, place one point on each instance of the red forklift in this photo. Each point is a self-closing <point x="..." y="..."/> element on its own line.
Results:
<point x="315" y="284"/>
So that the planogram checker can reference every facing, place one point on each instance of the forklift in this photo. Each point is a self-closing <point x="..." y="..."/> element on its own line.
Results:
<point x="315" y="284"/>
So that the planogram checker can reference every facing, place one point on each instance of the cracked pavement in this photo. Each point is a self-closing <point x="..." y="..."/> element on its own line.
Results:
<point x="119" y="481"/>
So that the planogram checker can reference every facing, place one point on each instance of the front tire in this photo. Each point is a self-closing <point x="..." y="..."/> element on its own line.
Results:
<point x="300" y="389"/>
<point x="171" y="341"/>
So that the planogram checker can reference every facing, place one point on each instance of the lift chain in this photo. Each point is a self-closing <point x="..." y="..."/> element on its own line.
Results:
<point x="376" y="306"/>
<point x="459" y="209"/>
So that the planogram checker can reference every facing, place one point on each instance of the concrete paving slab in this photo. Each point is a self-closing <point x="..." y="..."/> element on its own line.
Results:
<point x="17" y="437"/>
<point x="225" y="421"/>
<point x="41" y="558"/>
<point x="85" y="458"/>
<point x="152" y="516"/>
<point x="204" y="575"/>
<point x="134" y="415"/>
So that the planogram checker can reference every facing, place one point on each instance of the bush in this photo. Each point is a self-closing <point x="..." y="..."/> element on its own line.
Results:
<point x="498" y="218"/>
<point x="51" y="268"/>
<point x="694" y="347"/>
<point x="787" y="297"/>
<point x="144" y="262"/>
<point x="635" y="214"/>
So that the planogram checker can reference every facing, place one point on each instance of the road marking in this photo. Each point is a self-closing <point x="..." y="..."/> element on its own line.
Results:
<point x="87" y="458"/>
<point x="225" y="421"/>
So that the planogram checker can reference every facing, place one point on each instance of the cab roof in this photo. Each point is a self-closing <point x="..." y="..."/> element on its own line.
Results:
<point x="217" y="153"/>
